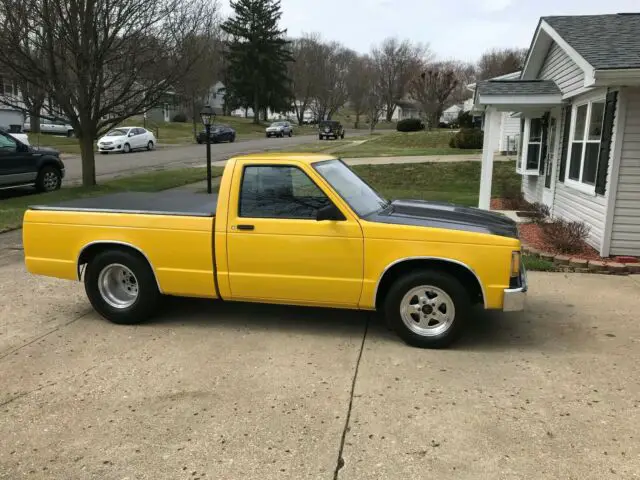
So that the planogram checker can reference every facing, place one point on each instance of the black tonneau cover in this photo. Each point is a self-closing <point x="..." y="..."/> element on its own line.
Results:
<point x="161" y="203"/>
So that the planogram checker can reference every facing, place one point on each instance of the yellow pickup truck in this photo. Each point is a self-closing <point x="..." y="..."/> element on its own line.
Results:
<point x="287" y="229"/>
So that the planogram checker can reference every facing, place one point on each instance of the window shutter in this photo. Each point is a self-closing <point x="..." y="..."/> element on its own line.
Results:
<point x="566" y="131"/>
<point x="605" y="142"/>
<point x="543" y="144"/>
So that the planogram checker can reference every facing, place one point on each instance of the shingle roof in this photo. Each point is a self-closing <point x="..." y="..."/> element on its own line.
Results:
<point x="605" y="41"/>
<point x="518" y="87"/>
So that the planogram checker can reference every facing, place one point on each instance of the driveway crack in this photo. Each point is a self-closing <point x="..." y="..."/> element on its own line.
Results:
<point x="340" y="460"/>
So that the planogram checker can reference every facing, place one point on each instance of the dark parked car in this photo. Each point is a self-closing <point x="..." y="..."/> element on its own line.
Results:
<point x="330" y="129"/>
<point x="219" y="133"/>
<point x="22" y="165"/>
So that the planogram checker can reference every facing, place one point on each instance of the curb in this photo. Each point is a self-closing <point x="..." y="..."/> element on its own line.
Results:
<point x="566" y="263"/>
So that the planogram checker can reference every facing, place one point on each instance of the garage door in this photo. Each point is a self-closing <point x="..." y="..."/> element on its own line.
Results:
<point x="11" y="117"/>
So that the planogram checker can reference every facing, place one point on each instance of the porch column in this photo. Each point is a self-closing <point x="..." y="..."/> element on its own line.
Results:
<point x="491" y="126"/>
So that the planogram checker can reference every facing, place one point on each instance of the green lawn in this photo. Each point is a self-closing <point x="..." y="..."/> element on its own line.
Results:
<point x="12" y="209"/>
<point x="537" y="264"/>
<point x="407" y="144"/>
<point x="449" y="182"/>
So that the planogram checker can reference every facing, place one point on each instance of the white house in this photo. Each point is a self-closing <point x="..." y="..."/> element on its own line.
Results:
<point x="9" y="115"/>
<point x="507" y="135"/>
<point x="451" y="114"/>
<point x="578" y="98"/>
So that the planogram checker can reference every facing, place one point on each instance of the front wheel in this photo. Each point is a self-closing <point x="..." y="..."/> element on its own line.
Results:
<point x="126" y="148"/>
<point x="121" y="287"/>
<point x="427" y="309"/>
<point x="49" y="179"/>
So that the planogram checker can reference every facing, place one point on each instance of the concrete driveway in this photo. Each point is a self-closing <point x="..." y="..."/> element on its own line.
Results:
<point x="231" y="391"/>
<point x="114" y="164"/>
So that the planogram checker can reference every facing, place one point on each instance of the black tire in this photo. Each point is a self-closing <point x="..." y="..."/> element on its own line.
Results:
<point x="290" y="133"/>
<point x="150" y="145"/>
<point x="432" y="278"/>
<point x="49" y="179"/>
<point x="103" y="153"/>
<point x="148" y="299"/>
<point x="233" y="138"/>
<point x="342" y="136"/>
<point x="320" y="137"/>
<point x="70" y="133"/>
<point x="126" y="148"/>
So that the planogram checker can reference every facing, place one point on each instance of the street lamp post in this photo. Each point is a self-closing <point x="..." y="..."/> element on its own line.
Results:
<point x="208" y="115"/>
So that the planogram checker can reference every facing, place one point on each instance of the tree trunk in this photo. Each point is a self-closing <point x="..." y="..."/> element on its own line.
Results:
<point x="357" y="122"/>
<point x="390" y="110"/>
<point x="256" y="107"/>
<point x="193" y="117"/>
<point x="88" y="160"/>
<point x="34" y="122"/>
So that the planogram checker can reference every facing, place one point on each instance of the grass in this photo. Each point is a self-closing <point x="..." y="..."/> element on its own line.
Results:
<point x="537" y="264"/>
<point x="12" y="209"/>
<point x="449" y="182"/>
<point x="407" y="144"/>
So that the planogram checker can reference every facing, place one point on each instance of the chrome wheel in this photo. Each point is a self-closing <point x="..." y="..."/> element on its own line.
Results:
<point x="126" y="148"/>
<point x="118" y="286"/>
<point x="427" y="310"/>
<point x="50" y="180"/>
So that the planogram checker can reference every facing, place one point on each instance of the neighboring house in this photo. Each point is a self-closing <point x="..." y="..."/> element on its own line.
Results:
<point x="451" y="114"/>
<point x="578" y="98"/>
<point x="507" y="136"/>
<point x="165" y="109"/>
<point x="215" y="98"/>
<point x="407" y="109"/>
<point x="9" y="115"/>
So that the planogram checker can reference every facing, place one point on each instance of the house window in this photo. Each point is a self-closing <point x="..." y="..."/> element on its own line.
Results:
<point x="531" y="147"/>
<point x="584" y="147"/>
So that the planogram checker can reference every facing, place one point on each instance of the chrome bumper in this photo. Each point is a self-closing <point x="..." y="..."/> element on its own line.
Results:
<point x="515" y="298"/>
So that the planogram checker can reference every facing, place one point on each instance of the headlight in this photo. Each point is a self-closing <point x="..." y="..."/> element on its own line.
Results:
<point x="515" y="264"/>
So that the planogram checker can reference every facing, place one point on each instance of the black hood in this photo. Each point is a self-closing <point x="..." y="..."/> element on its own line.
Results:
<point x="46" y="151"/>
<point x="446" y="215"/>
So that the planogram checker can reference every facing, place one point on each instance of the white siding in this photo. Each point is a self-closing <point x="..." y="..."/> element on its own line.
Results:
<point x="625" y="235"/>
<point x="509" y="129"/>
<point x="560" y="68"/>
<point x="532" y="188"/>
<point x="574" y="205"/>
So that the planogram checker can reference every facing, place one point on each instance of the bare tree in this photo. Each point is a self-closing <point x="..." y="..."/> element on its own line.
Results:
<point x="465" y="74"/>
<point x="101" y="61"/>
<point x="374" y="93"/>
<point x="498" y="62"/>
<point x="359" y="85"/>
<point x="433" y="88"/>
<point x="305" y="72"/>
<point x="332" y="90"/>
<point x="397" y="62"/>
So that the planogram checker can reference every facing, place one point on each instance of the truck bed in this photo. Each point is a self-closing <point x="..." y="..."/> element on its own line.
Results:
<point x="161" y="203"/>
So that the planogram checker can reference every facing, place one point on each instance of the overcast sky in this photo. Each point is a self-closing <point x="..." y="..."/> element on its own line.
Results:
<point x="460" y="29"/>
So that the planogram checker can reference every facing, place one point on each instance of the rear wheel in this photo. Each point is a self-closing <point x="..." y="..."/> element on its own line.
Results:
<point x="427" y="309"/>
<point x="150" y="145"/>
<point x="290" y="133"/>
<point x="233" y="138"/>
<point x="49" y="179"/>
<point x="121" y="287"/>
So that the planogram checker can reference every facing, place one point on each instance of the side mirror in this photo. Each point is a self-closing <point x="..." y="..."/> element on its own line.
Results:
<point x="329" y="212"/>
<point x="131" y="134"/>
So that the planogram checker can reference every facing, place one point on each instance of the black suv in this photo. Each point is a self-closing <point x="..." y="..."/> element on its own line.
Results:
<point x="330" y="129"/>
<point x="22" y="165"/>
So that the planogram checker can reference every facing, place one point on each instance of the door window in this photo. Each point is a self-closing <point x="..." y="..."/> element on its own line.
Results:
<point x="7" y="144"/>
<point x="279" y="192"/>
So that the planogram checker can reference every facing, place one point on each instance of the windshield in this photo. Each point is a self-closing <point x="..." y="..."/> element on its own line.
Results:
<point x="278" y="124"/>
<point x="118" y="132"/>
<point x="361" y="197"/>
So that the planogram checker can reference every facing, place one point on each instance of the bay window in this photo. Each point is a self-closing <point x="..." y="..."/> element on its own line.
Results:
<point x="584" y="145"/>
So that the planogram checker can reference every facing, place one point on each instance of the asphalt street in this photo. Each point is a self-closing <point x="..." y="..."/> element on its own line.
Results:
<point x="118" y="164"/>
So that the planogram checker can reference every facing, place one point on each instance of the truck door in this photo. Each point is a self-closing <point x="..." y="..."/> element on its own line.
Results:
<point x="277" y="251"/>
<point x="17" y="163"/>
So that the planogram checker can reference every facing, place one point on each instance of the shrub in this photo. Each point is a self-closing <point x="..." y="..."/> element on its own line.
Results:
<point x="179" y="118"/>
<point x="410" y="125"/>
<point x="467" y="138"/>
<point x="465" y="120"/>
<point x="541" y="212"/>
<point x="564" y="236"/>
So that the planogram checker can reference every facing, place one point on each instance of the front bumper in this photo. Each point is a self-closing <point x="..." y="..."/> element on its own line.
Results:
<point x="516" y="298"/>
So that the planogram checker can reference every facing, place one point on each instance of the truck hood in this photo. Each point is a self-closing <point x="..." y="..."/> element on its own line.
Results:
<point x="445" y="215"/>
<point x="46" y="151"/>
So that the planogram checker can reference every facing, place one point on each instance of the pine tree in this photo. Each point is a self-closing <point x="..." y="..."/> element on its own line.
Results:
<point x="257" y="55"/>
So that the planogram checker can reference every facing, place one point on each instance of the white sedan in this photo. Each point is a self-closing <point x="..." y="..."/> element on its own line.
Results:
<point x="126" y="139"/>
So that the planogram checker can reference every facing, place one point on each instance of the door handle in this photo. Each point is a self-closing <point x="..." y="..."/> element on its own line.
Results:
<point x="246" y="227"/>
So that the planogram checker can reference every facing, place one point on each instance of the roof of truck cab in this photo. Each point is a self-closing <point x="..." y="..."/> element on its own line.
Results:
<point x="287" y="157"/>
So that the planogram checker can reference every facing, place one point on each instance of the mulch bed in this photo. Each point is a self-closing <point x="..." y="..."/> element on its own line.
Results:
<point x="531" y="235"/>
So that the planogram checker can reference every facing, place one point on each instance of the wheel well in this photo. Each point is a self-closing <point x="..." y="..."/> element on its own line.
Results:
<point x="91" y="251"/>
<point x="466" y="277"/>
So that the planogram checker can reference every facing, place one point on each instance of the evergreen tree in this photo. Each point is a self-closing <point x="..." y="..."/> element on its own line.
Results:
<point x="257" y="55"/>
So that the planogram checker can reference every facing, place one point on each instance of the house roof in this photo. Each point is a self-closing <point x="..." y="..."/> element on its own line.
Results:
<point x="604" y="41"/>
<point x="518" y="87"/>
